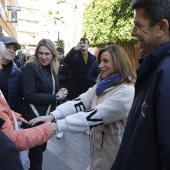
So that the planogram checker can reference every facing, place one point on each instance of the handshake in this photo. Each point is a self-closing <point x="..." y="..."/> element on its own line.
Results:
<point x="48" y="119"/>
<point x="62" y="94"/>
<point x="53" y="127"/>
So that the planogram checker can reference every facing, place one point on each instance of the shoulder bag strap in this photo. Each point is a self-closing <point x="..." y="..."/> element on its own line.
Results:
<point x="49" y="107"/>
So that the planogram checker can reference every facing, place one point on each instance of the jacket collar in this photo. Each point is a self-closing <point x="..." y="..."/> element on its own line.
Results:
<point x="47" y="78"/>
<point x="150" y="60"/>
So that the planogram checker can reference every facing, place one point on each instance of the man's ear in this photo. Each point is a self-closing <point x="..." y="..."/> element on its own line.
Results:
<point x="163" y="27"/>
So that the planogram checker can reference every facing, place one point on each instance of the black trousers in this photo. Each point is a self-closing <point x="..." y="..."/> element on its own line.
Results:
<point x="36" y="157"/>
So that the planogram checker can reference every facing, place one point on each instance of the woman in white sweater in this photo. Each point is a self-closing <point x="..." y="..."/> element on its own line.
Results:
<point x="103" y="109"/>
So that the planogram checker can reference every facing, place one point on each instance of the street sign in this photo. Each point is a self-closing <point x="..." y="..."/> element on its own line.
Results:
<point x="14" y="16"/>
<point x="15" y="8"/>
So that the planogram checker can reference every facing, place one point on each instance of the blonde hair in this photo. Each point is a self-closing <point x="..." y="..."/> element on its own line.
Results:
<point x="2" y="47"/>
<point x="121" y="62"/>
<point x="50" y="45"/>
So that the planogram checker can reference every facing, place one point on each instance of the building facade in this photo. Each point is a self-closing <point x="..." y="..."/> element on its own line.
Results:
<point x="34" y="22"/>
<point x="28" y="25"/>
<point x="7" y="27"/>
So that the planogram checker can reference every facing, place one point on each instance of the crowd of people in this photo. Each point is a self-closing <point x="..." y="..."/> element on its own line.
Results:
<point x="126" y="111"/>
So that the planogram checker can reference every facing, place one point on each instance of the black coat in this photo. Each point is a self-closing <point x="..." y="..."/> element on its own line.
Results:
<point x="37" y="90"/>
<point x="9" y="153"/>
<point x="63" y="74"/>
<point x="77" y="81"/>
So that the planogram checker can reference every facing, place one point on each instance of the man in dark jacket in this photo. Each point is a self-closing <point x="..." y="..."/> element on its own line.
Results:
<point x="20" y="59"/>
<point x="63" y="71"/>
<point x="146" y="140"/>
<point x="9" y="153"/>
<point x="10" y="77"/>
<point x="80" y="61"/>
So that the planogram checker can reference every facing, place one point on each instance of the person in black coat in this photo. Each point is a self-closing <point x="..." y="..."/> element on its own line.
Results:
<point x="63" y="71"/>
<point x="41" y="90"/>
<point x="9" y="153"/>
<point x="80" y="61"/>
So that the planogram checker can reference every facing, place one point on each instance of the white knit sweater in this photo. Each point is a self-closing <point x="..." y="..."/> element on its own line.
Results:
<point x="89" y="110"/>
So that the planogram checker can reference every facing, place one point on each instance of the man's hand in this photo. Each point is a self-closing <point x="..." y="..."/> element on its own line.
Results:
<point x="77" y="47"/>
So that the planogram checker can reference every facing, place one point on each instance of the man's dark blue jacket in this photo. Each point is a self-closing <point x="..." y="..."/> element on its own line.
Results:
<point x="15" y="96"/>
<point x="146" y="140"/>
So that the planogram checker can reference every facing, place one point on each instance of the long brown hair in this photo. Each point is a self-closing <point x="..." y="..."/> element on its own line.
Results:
<point x="121" y="62"/>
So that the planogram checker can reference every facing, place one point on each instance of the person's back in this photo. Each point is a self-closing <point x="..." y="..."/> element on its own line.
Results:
<point x="80" y="61"/>
<point x="146" y="143"/>
<point x="9" y="154"/>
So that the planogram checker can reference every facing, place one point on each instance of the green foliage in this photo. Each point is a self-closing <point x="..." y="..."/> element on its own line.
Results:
<point x="54" y="15"/>
<point x="108" y="21"/>
<point x="59" y="44"/>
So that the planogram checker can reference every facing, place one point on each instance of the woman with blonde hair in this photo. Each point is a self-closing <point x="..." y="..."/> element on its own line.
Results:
<point x="103" y="109"/>
<point x="41" y="91"/>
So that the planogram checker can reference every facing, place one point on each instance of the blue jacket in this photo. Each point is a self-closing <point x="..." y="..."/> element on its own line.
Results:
<point x="146" y="140"/>
<point x="93" y="73"/>
<point x="15" y="89"/>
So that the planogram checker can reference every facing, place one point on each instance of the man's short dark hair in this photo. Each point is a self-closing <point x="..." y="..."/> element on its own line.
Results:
<point x="109" y="43"/>
<point x="155" y="10"/>
<point x="60" y="49"/>
<point x="83" y="39"/>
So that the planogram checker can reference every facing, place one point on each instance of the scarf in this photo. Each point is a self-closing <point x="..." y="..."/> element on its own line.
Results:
<point x="108" y="82"/>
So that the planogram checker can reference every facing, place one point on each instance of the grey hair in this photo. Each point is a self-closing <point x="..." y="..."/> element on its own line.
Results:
<point x="2" y="47"/>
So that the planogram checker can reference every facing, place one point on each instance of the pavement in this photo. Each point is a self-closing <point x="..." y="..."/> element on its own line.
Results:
<point x="71" y="152"/>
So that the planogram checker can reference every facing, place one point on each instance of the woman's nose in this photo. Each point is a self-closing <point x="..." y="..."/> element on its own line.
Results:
<point x="101" y="65"/>
<point x="43" y="56"/>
